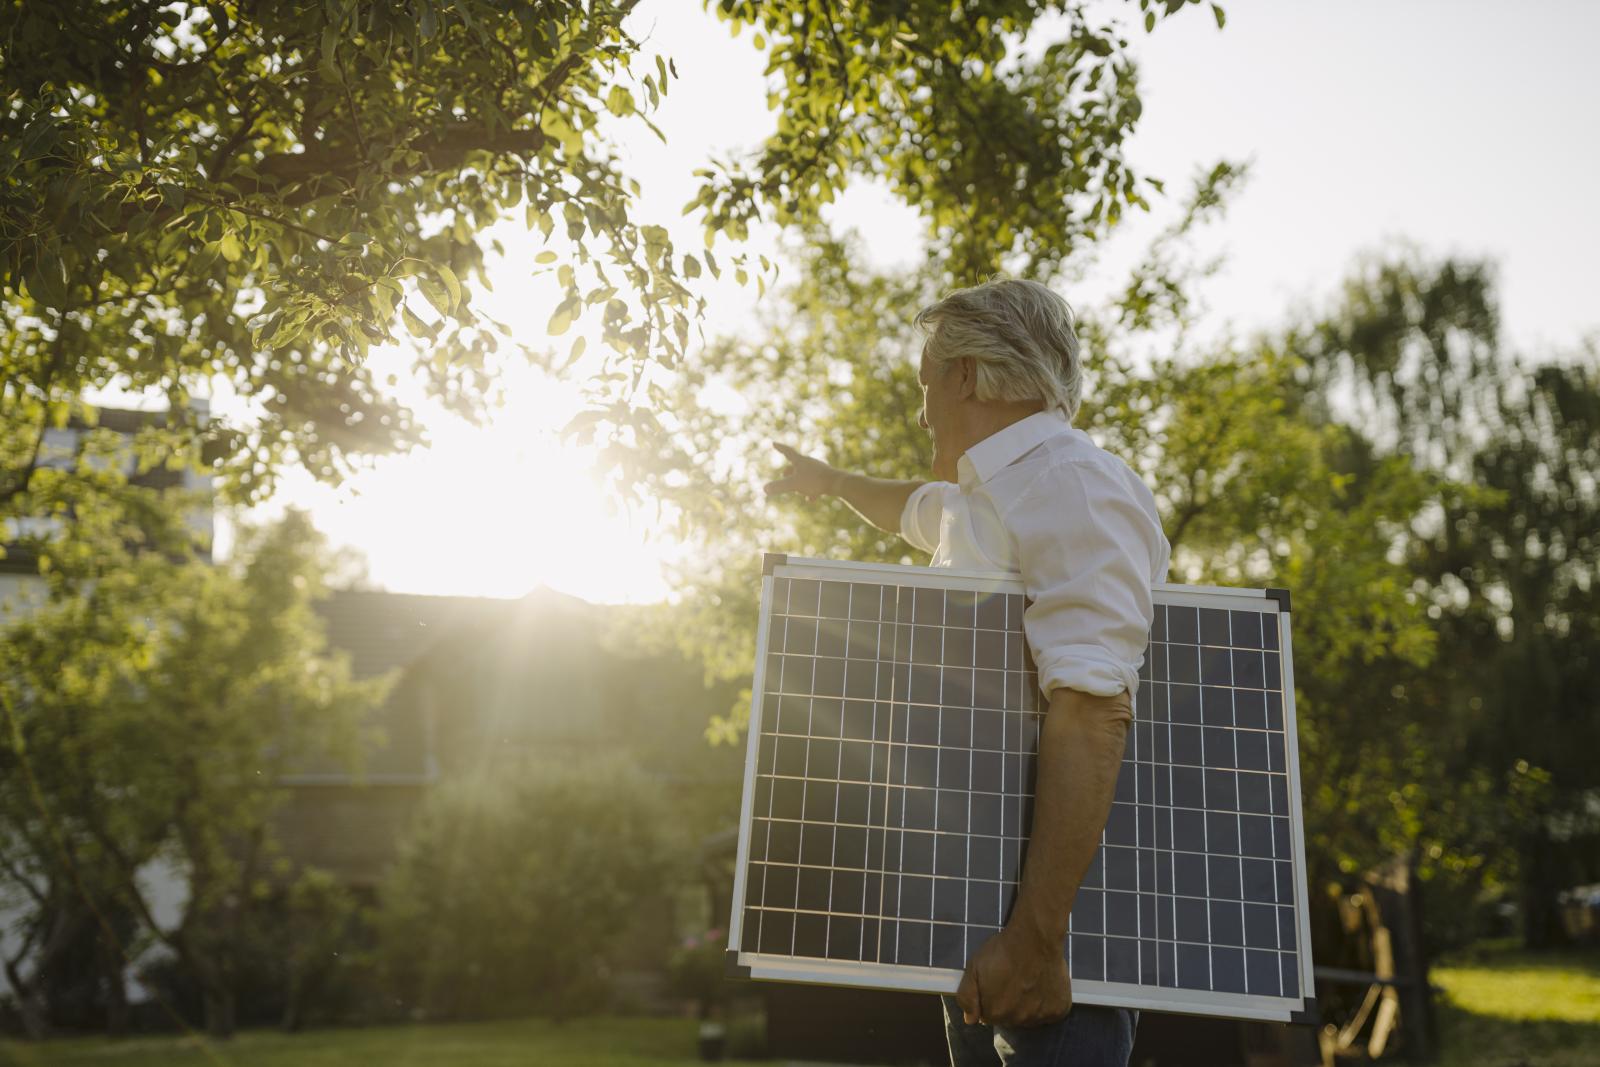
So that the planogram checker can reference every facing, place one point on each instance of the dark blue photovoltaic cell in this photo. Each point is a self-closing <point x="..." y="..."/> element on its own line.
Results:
<point x="894" y="763"/>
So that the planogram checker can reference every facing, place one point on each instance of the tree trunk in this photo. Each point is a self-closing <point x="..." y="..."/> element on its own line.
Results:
<point x="1541" y="881"/>
<point x="292" y="995"/>
<point x="116" y="990"/>
<point x="33" y="1007"/>
<point x="221" y="1011"/>
<point x="31" y="1010"/>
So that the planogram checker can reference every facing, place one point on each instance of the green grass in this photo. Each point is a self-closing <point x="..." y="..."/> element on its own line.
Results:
<point x="602" y="1042"/>
<point x="1500" y="1008"/>
<point x="1506" y="1008"/>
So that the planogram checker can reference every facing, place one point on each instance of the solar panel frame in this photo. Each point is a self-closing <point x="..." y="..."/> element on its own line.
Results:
<point x="896" y="976"/>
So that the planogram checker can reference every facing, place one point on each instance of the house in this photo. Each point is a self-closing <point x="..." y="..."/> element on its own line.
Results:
<point x="480" y="683"/>
<point x="61" y="448"/>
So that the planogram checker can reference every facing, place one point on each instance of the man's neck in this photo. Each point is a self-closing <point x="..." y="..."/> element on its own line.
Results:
<point x="990" y="417"/>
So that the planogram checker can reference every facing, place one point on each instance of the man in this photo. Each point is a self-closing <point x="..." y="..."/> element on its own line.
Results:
<point x="1019" y="489"/>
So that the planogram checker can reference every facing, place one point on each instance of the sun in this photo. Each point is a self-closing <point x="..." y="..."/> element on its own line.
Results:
<point x="497" y="510"/>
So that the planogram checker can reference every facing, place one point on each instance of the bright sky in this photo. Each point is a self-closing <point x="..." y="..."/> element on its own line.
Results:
<point x="1464" y="126"/>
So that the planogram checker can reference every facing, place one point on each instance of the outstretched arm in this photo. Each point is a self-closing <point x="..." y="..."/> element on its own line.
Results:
<point x="880" y="501"/>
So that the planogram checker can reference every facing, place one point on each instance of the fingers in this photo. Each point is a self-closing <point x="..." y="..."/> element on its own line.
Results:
<point x="968" y="996"/>
<point x="789" y="480"/>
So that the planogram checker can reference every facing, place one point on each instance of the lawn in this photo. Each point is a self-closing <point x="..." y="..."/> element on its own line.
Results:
<point x="604" y="1042"/>
<point x="1499" y="1008"/>
<point x="1505" y="1008"/>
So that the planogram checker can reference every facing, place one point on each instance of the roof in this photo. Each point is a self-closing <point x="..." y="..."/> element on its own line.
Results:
<point x="382" y="631"/>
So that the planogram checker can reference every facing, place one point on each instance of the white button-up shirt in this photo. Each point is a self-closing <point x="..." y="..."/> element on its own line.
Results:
<point x="1042" y="500"/>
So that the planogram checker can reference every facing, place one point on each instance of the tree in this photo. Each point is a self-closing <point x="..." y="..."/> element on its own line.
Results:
<point x="150" y="715"/>
<point x="513" y="886"/>
<point x="249" y="196"/>
<point x="1507" y="565"/>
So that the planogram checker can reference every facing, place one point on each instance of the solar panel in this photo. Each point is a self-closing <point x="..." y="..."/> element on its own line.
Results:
<point x="888" y="793"/>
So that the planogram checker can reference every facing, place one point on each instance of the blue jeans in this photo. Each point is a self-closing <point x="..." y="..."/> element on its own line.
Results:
<point x="1090" y="1036"/>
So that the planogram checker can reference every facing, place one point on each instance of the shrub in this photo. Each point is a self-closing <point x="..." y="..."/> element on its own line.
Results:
<point x="511" y="890"/>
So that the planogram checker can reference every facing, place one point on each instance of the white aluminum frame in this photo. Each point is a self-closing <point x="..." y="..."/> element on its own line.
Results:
<point x="941" y="980"/>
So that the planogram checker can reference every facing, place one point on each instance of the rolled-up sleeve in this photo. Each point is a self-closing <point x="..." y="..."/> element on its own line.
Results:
<point x="919" y="521"/>
<point x="1084" y="550"/>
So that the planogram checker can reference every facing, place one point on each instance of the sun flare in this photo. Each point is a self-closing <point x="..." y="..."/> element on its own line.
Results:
<point x="498" y="510"/>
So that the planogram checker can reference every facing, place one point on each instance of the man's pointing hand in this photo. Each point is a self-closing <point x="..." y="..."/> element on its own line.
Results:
<point x="801" y="474"/>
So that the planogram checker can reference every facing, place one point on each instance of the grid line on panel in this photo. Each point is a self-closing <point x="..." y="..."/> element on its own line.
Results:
<point x="767" y="845"/>
<point x="1172" y="826"/>
<point x="1277" y="911"/>
<point x="1238" y="819"/>
<point x="911" y="590"/>
<point x="899" y="882"/>
<point x="833" y="836"/>
<point x="805" y="784"/>
<point x="877" y="950"/>
<point x="997" y="837"/>
<point x="1205" y="845"/>
<point x="1024" y="716"/>
<point x="1138" y="836"/>
<point x="1175" y="940"/>
<point x="866" y="862"/>
<point x="966" y="841"/>
<point x="998" y="880"/>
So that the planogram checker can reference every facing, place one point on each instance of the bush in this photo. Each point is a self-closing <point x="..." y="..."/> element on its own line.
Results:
<point x="511" y="891"/>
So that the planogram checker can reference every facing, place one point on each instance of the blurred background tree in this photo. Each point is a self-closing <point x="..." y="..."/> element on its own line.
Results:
<point x="1507" y="565"/>
<point x="149" y="717"/>
<point x="514" y="889"/>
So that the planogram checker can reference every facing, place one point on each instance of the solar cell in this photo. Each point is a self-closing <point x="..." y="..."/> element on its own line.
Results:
<point x="889" y="787"/>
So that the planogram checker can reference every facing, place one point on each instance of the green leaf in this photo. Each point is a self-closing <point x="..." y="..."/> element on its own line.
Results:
<point x="228" y="245"/>
<point x="414" y="323"/>
<point x="330" y="48"/>
<point x="261" y="336"/>
<point x="578" y="345"/>
<point x="562" y="319"/>
<point x="619" y="101"/>
<point x="451" y="283"/>
<point x="691" y="267"/>
<point x="1222" y="18"/>
<point x="436" y="295"/>
<point x="48" y="282"/>
<point x="545" y="257"/>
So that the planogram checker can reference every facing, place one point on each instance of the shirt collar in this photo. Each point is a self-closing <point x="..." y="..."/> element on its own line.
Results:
<point x="999" y="450"/>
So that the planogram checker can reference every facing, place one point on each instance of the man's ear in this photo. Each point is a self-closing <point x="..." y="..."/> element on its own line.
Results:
<point x="967" y="382"/>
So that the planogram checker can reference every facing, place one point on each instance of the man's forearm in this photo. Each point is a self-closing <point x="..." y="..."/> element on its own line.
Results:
<point x="878" y="500"/>
<point x="1080" y="752"/>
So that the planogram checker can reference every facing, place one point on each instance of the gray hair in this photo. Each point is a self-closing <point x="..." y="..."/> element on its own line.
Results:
<point x="1019" y="333"/>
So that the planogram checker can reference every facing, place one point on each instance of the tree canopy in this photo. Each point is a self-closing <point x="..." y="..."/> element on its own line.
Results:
<point x="247" y="197"/>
